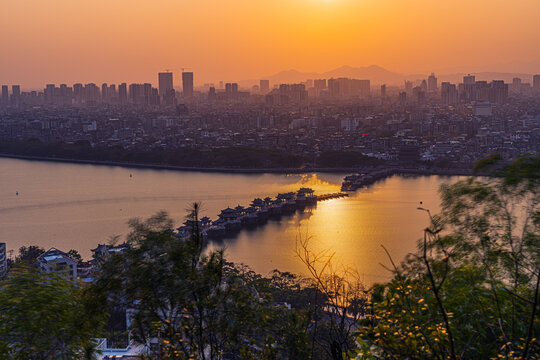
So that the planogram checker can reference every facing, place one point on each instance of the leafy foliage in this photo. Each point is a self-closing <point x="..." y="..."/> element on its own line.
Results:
<point x="189" y="304"/>
<point x="471" y="289"/>
<point x="44" y="317"/>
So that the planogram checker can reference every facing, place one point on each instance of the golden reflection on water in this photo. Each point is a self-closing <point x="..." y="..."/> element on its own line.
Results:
<point x="78" y="206"/>
<point x="352" y="228"/>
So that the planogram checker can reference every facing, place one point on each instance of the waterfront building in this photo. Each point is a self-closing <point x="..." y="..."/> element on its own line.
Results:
<point x="59" y="262"/>
<point x="3" y="260"/>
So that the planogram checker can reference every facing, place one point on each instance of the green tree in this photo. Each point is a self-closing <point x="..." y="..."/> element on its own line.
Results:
<point x="44" y="317"/>
<point x="471" y="290"/>
<point x="29" y="254"/>
<point x="75" y="255"/>
<point x="194" y="304"/>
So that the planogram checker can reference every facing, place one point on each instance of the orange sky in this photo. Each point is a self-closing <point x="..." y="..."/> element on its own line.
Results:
<point x="131" y="40"/>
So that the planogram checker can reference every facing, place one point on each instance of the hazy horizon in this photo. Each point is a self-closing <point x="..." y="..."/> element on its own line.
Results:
<point x="63" y="41"/>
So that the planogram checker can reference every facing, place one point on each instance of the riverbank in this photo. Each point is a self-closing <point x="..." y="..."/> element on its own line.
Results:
<point x="401" y="170"/>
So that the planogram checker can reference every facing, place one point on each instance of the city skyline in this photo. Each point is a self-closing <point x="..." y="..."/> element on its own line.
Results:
<point x="232" y="41"/>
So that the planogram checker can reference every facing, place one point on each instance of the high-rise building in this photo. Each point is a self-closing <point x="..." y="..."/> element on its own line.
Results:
<point x="516" y="85"/>
<point x="482" y="90"/>
<point x="187" y="84"/>
<point x="112" y="96"/>
<point x="424" y="86"/>
<point x="5" y="95"/>
<point x="15" y="95"/>
<point x="402" y="97"/>
<point x="147" y="92"/>
<point x="165" y="83"/>
<point x="48" y="94"/>
<point x="78" y="93"/>
<point x="212" y="93"/>
<point x="469" y="79"/>
<point x="419" y="94"/>
<point x="449" y="93"/>
<point x="104" y="93"/>
<point x="408" y="87"/>
<point x="432" y="83"/>
<point x="319" y="85"/>
<point x="91" y="94"/>
<point x="122" y="94"/>
<point x="536" y="83"/>
<point x="499" y="91"/>
<point x="469" y="88"/>
<point x="136" y="94"/>
<point x="264" y="86"/>
<point x="383" y="91"/>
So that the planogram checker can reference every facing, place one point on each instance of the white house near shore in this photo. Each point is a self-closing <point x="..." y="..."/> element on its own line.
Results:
<point x="57" y="261"/>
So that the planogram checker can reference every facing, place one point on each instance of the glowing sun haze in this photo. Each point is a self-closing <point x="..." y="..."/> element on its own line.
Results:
<point x="130" y="40"/>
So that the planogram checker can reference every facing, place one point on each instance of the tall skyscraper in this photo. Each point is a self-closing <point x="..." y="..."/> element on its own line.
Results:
<point x="264" y="86"/>
<point x="104" y="93"/>
<point x="5" y="95"/>
<point x="48" y="93"/>
<point x="91" y="94"/>
<point x="408" y="87"/>
<point x="319" y="85"/>
<point x="383" y="91"/>
<point x="187" y="84"/>
<point x="15" y="95"/>
<point x="165" y="83"/>
<point x="536" y="83"/>
<point x="136" y="94"/>
<point x="122" y="94"/>
<point x="469" y="88"/>
<point x="516" y="85"/>
<point x="432" y="82"/>
<point x="147" y="92"/>
<point x="449" y="93"/>
<point x="469" y="79"/>
<point x="78" y="93"/>
<point x="499" y="91"/>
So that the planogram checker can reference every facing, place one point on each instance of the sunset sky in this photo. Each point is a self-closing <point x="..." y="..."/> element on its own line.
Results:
<point x="131" y="40"/>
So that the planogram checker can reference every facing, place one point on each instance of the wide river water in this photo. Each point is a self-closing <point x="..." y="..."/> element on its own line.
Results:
<point x="72" y="206"/>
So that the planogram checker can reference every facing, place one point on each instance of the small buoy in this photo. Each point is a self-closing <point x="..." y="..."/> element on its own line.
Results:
<point x="130" y="175"/>
<point x="17" y="193"/>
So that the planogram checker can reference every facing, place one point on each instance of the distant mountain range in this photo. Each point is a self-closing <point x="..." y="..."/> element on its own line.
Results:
<point x="379" y="75"/>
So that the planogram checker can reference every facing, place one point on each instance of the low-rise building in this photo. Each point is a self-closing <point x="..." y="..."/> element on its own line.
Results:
<point x="3" y="260"/>
<point x="57" y="261"/>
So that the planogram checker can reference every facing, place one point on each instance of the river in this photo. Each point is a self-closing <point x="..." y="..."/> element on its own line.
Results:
<point x="74" y="206"/>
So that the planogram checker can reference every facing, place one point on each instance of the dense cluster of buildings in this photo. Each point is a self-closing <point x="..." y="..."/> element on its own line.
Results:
<point x="455" y="123"/>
